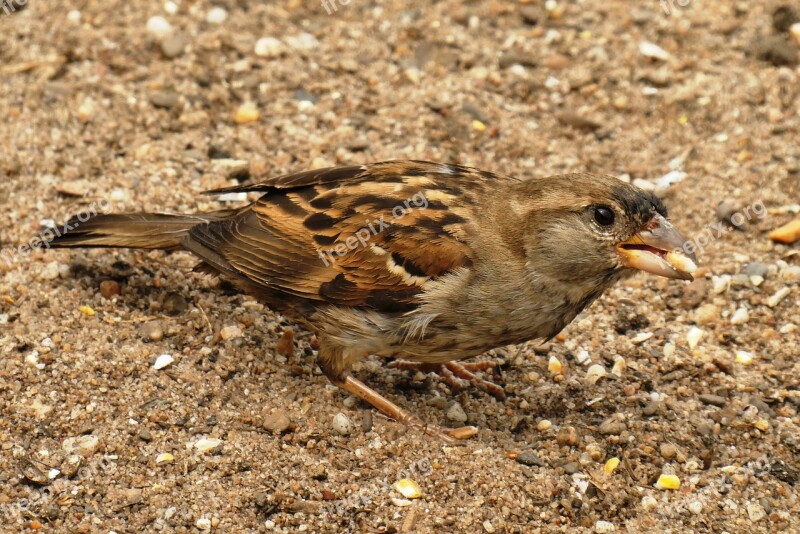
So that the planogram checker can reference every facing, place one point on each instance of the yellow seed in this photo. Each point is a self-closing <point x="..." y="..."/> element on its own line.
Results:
<point x="554" y="366"/>
<point x="683" y="120"/>
<point x="463" y="432"/>
<point x="611" y="465"/>
<point x="788" y="233"/>
<point x="86" y="310"/>
<point x="478" y="125"/>
<point x="247" y="113"/>
<point x="668" y="482"/>
<point x="682" y="262"/>
<point x="164" y="458"/>
<point x="408" y="488"/>
<point x="744" y="357"/>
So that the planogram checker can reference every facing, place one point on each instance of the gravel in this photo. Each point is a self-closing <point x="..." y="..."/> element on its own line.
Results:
<point x="693" y="387"/>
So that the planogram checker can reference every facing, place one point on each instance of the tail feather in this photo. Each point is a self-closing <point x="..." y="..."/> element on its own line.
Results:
<point x="135" y="230"/>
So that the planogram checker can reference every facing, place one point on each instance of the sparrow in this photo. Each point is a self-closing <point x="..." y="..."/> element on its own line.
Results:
<point x="425" y="262"/>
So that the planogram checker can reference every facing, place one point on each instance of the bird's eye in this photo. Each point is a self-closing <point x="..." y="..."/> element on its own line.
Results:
<point x="603" y="215"/>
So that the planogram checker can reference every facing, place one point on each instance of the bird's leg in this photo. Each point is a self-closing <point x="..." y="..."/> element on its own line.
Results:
<point x="332" y="367"/>
<point x="457" y="375"/>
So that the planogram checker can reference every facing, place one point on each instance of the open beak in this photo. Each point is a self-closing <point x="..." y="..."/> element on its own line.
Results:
<point x="659" y="249"/>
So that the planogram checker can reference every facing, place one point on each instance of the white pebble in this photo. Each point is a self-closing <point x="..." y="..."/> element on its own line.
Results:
<point x="342" y="424"/>
<point x="216" y="15"/>
<point x="82" y="445"/>
<point x="170" y="7"/>
<point x="230" y="332"/>
<point x="696" y="507"/>
<point x="203" y="523"/>
<point x="740" y="316"/>
<point x="720" y="284"/>
<point x="619" y="366"/>
<point x="603" y="527"/>
<point x="755" y="512"/>
<point x="583" y="357"/>
<point x="785" y="329"/>
<point x="302" y="41"/>
<point x="207" y="444"/>
<point x="162" y="361"/>
<point x="669" y="350"/>
<point x="779" y="295"/>
<point x="694" y="336"/>
<point x="653" y="51"/>
<point x="671" y="178"/>
<point x="595" y="373"/>
<point x="649" y="503"/>
<point x="268" y="47"/>
<point x="74" y="16"/>
<point x="744" y="357"/>
<point x="50" y="271"/>
<point x="159" y="27"/>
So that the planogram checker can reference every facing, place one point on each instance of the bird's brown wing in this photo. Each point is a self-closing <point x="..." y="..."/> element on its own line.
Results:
<point x="368" y="236"/>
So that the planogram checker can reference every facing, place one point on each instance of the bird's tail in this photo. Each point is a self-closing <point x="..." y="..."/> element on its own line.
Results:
<point x="134" y="230"/>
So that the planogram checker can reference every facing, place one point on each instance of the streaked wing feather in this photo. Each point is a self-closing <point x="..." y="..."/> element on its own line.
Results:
<point x="286" y="242"/>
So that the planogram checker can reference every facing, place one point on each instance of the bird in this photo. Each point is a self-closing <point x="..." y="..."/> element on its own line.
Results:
<point x="418" y="262"/>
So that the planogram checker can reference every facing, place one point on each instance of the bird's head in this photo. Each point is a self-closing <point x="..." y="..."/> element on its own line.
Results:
<point x="595" y="229"/>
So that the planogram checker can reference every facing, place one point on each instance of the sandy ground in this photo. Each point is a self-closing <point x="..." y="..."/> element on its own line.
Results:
<point x="105" y="110"/>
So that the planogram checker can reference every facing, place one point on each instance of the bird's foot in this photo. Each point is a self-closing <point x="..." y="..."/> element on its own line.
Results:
<point x="390" y="409"/>
<point x="457" y="375"/>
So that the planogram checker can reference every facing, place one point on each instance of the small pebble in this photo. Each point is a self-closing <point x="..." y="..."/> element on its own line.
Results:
<point x="554" y="366"/>
<point x="595" y="373"/>
<point x="158" y="27"/>
<point x="706" y="314"/>
<point x="163" y="361"/>
<point x="756" y="269"/>
<point x="604" y="527"/>
<point x="649" y="503"/>
<point x="174" y="46"/>
<point x="455" y="412"/>
<point x="82" y="445"/>
<point x="755" y="512"/>
<point x="696" y="507"/>
<point x="778" y="296"/>
<point x="567" y="436"/>
<point x="230" y="332"/>
<point x="203" y="523"/>
<point x="109" y="288"/>
<point x="269" y="47"/>
<point x="694" y="336"/>
<point x="740" y="316"/>
<point x="342" y="425"/>
<point x="277" y="422"/>
<point x="544" y="425"/>
<point x="207" y="444"/>
<point x="619" y="366"/>
<point x="152" y="331"/>
<point x="164" y="99"/>
<point x="216" y="15"/>
<point x="529" y="458"/>
<point x="744" y="357"/>
<point x="668" y="451"/>
<point x="302" y="41"/>
<point x="714" y="400"/>
<point x="174" y="304"/>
